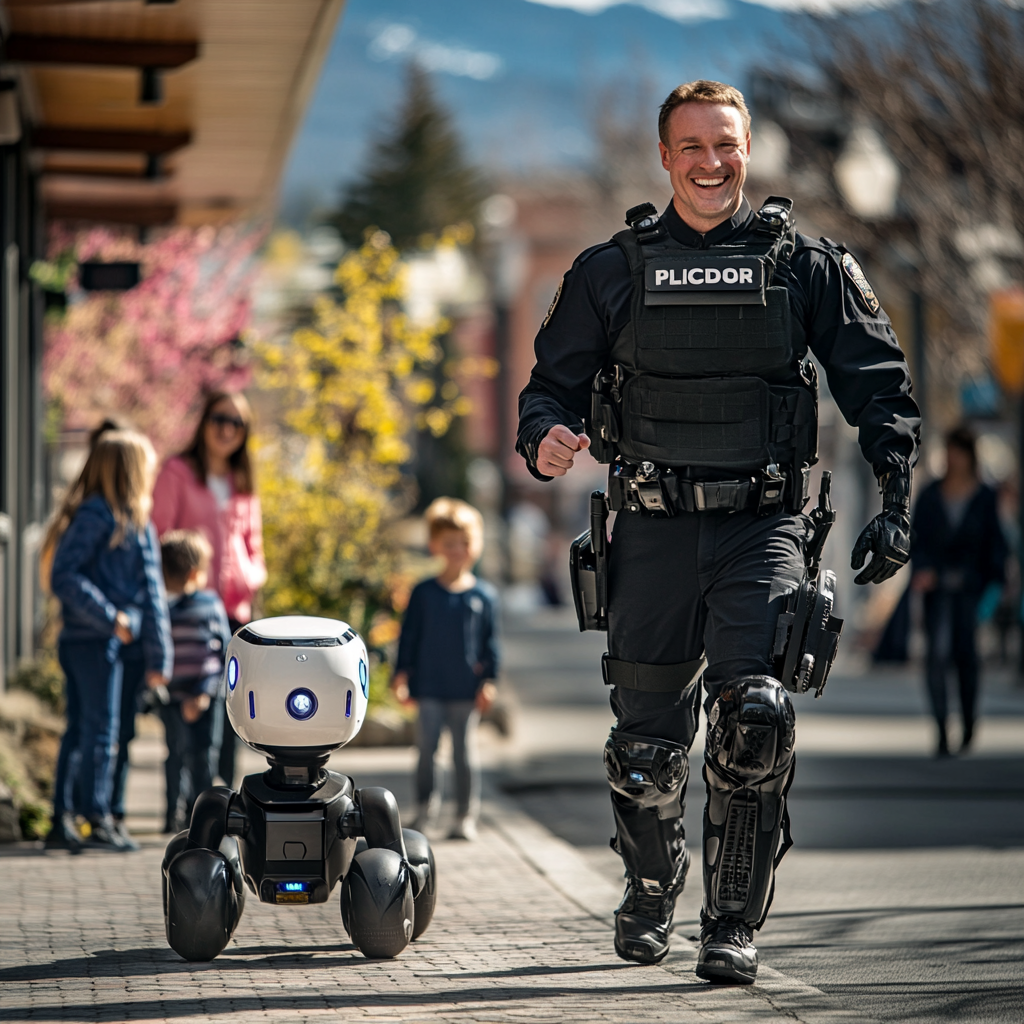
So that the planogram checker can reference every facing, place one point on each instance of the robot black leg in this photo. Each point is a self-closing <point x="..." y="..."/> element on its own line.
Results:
<point x="389" y="892"/>
<point x="424" y="879"/>
<point x="203" y="890"/>
<point x="749" y="765"/>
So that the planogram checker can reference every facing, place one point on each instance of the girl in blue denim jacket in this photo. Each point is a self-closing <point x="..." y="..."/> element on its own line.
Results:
<point x="107" y="575"/>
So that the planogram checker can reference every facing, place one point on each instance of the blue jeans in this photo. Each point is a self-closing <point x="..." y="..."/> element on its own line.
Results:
<point x="132" y="684"/>
<point x="92" y="672"/>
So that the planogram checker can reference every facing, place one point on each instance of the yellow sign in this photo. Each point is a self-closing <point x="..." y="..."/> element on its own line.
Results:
<point x="1006" y="338"/>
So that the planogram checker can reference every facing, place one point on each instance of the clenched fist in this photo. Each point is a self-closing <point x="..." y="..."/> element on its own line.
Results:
<point x="555" y="453"/>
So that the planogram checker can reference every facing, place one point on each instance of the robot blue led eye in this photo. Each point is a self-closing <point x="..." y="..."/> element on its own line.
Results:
<point x="293" y="887"/>
<point x="636" y="777"/>
<point x="301" y="704"/>
<point x="232" y="673"/>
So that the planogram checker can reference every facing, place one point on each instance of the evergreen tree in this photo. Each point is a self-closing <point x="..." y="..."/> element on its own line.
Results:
<point x="417" y="181"/>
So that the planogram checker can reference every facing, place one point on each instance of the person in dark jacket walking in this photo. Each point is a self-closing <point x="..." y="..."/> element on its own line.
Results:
<point x="106" y="574"/>
<point x="448" y="659"/>
<point x="958" y="550"/>
<point x="193" y="718"/>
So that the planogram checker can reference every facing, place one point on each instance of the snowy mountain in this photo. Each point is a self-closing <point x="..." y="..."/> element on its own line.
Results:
<point x="522" y="76"/>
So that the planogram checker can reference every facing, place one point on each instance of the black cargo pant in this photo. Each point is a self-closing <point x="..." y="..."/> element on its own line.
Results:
<point x="699" y="581"/>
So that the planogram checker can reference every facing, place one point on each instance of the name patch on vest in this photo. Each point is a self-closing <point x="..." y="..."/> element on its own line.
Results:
<point x="676" y="278"/>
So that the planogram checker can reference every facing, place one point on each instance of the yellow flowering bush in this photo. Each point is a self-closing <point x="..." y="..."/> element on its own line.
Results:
<point x="348" y="390"/>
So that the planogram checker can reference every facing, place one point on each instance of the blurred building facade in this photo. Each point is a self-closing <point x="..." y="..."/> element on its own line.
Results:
<point x="146" y="113"/>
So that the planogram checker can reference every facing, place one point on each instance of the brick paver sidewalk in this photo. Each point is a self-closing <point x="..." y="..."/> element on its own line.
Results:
<point x="81" y="939"/>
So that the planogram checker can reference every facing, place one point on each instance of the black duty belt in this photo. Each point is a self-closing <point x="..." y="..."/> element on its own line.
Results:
<point x="662" y="491"/>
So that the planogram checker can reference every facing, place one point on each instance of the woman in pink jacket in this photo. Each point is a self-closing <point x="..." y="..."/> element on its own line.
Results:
<point x="209" y="487"/>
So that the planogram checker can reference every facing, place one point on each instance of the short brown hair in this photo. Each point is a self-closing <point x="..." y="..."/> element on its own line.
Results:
<point x="454" y="514"/>
<point x="182" y="551"/>
<point x="701" y="91"/>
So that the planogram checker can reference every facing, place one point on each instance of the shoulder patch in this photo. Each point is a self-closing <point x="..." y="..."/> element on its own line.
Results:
<point x="554" y="303"/>
<point x="867" y="294"/>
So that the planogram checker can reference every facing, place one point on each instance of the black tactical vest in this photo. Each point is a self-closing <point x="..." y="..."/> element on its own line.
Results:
<point x="710" y="371"/>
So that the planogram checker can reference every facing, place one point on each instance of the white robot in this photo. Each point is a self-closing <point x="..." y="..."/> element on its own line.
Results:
<point x="297" y="689"/>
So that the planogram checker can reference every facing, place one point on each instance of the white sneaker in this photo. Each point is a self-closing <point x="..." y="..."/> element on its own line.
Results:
<point x="426" y="817"/>
<point x="464" y="828"/>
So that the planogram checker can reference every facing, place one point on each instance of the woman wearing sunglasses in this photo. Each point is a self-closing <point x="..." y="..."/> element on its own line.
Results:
<point x="209" y="487"/>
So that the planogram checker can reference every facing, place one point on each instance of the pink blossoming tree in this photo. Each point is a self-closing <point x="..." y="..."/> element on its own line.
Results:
<point x="150" y="353"/>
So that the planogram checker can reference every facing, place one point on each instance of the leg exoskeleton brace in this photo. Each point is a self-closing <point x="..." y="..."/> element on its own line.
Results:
<point x="652" y="773"/>
<point x="749" y="762"/>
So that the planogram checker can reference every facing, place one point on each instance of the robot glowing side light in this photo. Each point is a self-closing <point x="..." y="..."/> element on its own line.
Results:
<point x="297" y="689"/>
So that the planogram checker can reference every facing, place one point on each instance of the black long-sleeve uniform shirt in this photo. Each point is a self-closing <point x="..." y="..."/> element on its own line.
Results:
<point x="866" y="369"/>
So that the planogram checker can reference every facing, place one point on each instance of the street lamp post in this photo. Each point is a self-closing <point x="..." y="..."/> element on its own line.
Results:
<point x="868" y="179"/>
<point x="505" y="271"/>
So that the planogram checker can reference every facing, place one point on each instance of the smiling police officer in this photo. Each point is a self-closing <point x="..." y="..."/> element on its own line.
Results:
<point x="678" y="353"/>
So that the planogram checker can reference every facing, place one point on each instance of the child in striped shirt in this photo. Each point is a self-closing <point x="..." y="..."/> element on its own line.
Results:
<point x="193" y="718"/>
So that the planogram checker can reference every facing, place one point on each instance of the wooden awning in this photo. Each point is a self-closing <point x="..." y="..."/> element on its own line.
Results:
<point x="157" y="112"/>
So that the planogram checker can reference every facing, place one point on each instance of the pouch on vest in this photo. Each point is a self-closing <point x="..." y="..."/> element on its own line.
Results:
<point x="701" y="340"/>
<point x="604" y="422"/>
<point x="715" y="421"/>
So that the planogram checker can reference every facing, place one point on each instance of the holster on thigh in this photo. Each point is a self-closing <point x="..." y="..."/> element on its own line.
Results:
<point x="749" y="762"/>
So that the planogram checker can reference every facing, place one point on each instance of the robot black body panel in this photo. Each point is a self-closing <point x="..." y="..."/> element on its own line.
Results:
<point x="292" y="851"/>
<point x="297" y="690"/>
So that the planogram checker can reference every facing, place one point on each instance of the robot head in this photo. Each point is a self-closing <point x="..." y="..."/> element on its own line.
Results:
<point x="297" y="686"/>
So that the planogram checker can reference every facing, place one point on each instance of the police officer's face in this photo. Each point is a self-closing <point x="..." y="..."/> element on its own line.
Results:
<point x="706" y="160"/>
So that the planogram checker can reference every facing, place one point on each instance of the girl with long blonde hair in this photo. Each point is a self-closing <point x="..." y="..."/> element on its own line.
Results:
<point x="106" y="573"/>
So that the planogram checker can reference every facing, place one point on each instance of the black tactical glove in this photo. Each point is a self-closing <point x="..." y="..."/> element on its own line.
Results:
<point x="887" y="536"/>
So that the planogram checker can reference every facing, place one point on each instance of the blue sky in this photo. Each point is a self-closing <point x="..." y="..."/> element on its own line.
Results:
<point x="519" y="75"/>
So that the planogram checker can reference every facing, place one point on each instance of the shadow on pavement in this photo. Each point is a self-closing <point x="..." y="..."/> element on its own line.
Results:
<point x="249" y="1007"/>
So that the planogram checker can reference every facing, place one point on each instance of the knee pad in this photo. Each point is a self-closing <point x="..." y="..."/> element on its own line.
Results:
<point x="751" y="731"/>
<point x="749" y="761"/>
<point x="650" y="772"/>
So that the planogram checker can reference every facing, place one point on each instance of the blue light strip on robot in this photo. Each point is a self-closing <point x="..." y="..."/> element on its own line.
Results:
<point x="292" y="887"/>
<point x="252" y="705"/>
<point x="348" y="705"/>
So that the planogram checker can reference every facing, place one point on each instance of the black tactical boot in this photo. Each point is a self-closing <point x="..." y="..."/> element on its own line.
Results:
<point x="643" y="920"/>
<point x="727" y="952"/>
